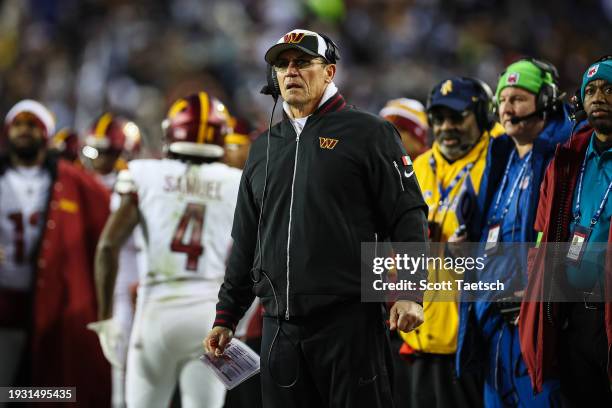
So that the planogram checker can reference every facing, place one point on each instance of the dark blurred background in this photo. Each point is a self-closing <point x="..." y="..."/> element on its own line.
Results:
<point x="83" y="56"/>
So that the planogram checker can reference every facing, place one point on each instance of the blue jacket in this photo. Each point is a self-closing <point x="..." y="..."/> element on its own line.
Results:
<point x="477" y="321"/>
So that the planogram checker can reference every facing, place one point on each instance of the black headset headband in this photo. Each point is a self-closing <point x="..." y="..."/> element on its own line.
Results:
<point x="332" y="54"/>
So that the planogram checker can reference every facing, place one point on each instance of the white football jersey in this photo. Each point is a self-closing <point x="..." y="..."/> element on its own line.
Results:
<point x="23" y="197"/>
<point x="187" y="213"/>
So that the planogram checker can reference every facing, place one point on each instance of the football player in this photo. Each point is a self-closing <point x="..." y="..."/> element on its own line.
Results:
<point x="185" y="203"/>
<point x="67" y="145"/>
<point x="51" y="215"/>
<point x="110" y="143"/>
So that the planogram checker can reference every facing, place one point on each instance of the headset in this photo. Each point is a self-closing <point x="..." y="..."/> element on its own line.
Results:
<point x="483" y="108"/>
<point x="548" y="99"/>
<point x="272" y="87"/>
<point x="578" y="113"/>
<point x="332" y="53"/>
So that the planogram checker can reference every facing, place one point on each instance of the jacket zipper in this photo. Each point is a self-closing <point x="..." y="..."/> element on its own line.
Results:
<point x="399" y="173"/>
<point x="297" y="147"/>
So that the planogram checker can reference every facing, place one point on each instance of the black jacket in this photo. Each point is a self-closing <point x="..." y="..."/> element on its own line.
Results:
<point x="340" y="183"/>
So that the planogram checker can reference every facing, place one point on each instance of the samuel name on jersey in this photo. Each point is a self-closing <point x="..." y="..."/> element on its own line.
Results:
<point x="191" y="184"/>
<point x="185" y="208"/>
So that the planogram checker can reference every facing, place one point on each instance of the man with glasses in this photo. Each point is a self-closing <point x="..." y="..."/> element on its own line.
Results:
<point x="325" y="179"/>
<point x="572" y="340"/>
<point x="459" y="113"/>
<point x="535" y="121"/>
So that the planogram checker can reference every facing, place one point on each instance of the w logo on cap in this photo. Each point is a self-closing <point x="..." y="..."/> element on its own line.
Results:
<point x="592" y="71"/>
<point x="293" y="38"/>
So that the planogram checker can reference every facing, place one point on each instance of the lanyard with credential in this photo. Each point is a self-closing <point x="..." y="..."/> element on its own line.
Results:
<point x="444" y="192"/>
<point x="514" y="186"/>
<point x="602" y="204"/>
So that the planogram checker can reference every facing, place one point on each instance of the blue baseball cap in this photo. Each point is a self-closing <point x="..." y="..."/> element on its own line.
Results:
<point x="456" y="93"/>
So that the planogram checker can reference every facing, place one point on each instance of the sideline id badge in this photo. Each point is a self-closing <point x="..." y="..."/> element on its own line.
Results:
<point x="578" y="244"/>
<point x="492" y="238"/>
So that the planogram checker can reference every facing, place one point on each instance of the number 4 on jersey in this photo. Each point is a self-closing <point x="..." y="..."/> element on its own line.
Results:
<point x="194" y="215"/>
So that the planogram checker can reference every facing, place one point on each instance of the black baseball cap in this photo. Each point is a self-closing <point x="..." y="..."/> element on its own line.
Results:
<point x="308" y="41"/>
<point x="456" y="93"/>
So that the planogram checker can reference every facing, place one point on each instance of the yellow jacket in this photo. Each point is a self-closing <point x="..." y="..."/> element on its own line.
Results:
<point x="438" y="334"/>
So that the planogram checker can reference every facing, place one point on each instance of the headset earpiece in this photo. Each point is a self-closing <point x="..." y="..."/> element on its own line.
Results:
<point x="485" y="107"/>
<point x="272" y="87"/>
<point x="547" y="100"/>
<point x="332" y="55"/>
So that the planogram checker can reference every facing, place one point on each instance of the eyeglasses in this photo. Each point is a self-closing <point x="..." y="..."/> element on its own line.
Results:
<point x="281" y="66"/>
<point x="456" y="118"/>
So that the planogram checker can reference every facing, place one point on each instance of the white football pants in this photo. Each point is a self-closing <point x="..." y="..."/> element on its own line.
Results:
<point x="165" y="345"/>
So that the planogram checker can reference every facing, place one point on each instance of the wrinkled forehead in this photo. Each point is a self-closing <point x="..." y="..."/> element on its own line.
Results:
<point x="515" y="91"/>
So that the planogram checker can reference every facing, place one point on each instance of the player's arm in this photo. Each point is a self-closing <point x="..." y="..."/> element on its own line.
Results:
<point x="116" y="231"/>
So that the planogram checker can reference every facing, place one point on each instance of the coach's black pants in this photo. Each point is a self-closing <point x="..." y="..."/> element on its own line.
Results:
<point x="336" y="359"/>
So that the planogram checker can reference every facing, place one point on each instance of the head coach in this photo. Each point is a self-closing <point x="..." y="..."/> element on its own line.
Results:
<point x="315" y="186"/>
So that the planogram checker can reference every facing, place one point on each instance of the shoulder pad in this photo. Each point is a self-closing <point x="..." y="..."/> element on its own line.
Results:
<point x="125" y="183"/>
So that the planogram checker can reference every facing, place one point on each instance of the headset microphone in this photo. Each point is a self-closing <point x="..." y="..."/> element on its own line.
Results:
<point x="267" y="90"/>
<point x="515" y="120"/>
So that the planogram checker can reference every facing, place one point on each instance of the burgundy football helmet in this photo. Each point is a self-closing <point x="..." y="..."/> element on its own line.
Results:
<point x="67" y="143"/>
<point x="110" y="133"/>
<point x="196" y="126"/>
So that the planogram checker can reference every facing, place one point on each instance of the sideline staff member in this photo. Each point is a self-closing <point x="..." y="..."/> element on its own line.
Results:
<point x="335" y="176"/>
<point x="573" y="340"/>
<point x="535" y="121"/>
<point x="460" y="113"/>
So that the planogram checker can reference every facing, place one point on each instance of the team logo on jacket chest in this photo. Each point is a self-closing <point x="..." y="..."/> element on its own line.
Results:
<point x="327" y="143"/>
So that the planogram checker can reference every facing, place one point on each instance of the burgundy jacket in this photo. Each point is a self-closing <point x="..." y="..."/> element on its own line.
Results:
<point x="62" y="351"/>
<point x="540" y="321"/>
